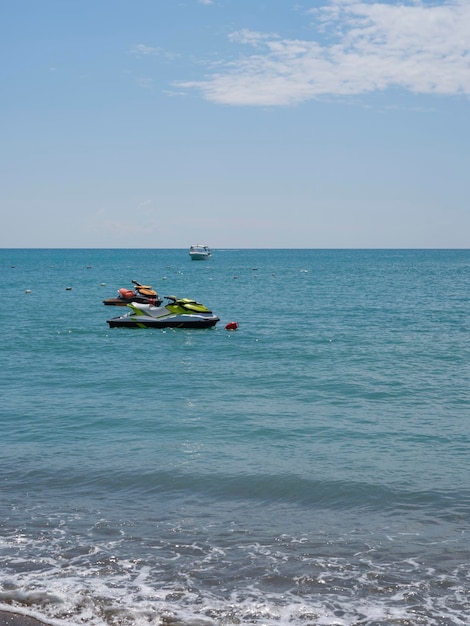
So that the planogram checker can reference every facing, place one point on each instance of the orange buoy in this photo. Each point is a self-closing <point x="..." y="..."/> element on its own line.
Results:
<point x="232" y="326"/>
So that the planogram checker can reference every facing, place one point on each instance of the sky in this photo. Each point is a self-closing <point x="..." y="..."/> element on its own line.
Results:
<point x="235" y="123"/>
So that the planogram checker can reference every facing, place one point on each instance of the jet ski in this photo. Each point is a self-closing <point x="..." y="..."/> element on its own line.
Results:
<point x="177" y="313"/>
<point x="141" y="293"/>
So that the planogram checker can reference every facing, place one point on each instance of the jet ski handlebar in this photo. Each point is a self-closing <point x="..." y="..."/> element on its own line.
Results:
<point x="140" y="285"/>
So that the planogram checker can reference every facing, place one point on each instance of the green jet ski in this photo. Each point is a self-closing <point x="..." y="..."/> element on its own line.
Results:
<point x="177" y="313"/>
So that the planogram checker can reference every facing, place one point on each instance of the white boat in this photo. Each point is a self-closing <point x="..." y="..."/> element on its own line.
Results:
<point x="199" y="252"/>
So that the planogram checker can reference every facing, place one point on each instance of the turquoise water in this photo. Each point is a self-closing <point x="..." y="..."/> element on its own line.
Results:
<point x="310" y="468"/>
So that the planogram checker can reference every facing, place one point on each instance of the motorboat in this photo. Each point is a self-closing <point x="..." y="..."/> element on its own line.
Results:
<point x="144" y="294"/>
<point x="198" y="252"/>
<point x="177" y="312"/>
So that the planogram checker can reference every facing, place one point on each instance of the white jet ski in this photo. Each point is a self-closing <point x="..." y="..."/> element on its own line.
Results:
<point x="177" y="312"/>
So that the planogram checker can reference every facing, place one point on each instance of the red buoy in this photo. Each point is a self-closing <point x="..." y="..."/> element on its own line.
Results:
<point x="232" y="326"/>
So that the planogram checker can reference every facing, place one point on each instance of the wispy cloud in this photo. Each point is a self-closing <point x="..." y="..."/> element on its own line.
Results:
<point x="145" y="82"/>
<point x="371" y="47"/>
<point x="141" y="50"/>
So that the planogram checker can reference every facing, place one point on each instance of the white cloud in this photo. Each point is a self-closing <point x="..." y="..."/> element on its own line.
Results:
<point x="143" y="50"/>
<point x="371" y="47"/>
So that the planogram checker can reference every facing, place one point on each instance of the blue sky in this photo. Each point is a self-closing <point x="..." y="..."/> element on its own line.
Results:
<point x="235" y="123"/>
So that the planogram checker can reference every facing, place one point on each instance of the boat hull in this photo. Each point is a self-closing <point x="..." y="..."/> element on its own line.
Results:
<point x="199" y="257"/>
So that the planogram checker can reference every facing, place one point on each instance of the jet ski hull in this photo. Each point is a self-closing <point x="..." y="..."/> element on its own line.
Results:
<point x="177" y="321"/>
<point x="122" y="302"/>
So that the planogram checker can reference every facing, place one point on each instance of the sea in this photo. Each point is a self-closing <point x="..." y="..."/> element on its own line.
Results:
<point x="310" y="468"/>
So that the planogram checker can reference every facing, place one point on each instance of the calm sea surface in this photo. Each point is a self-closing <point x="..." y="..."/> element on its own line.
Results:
<point x="310" y="468"/>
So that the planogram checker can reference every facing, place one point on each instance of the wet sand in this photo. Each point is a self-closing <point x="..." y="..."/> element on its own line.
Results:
<point x="13" y="619"/>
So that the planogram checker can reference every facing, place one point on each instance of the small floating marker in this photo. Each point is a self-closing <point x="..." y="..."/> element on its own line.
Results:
<point x="231" y="326"/>
<point x="68" y="289"/>
<point x="103" y="284"/>
<point x="27" y="290"/>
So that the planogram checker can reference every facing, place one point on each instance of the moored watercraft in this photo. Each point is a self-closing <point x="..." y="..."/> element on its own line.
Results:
<point x="177" y="312"/>
<point x="198" y="252"/>
<point x="145" y="294"/>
